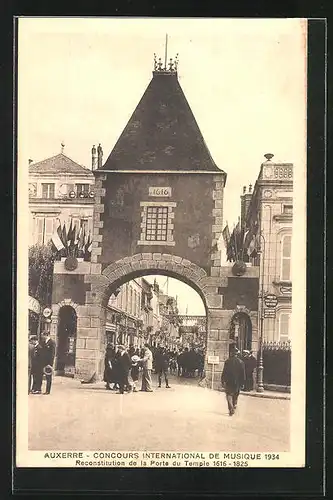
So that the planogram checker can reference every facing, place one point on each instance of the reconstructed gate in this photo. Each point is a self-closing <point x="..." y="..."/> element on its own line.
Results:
<point x="158" y="210"/>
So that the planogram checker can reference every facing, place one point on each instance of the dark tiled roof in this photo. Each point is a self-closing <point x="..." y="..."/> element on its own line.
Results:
<point x="59" y="164"/>
<point x="162" y="133"/>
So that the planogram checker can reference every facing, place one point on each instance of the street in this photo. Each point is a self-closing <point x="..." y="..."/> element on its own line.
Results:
<point x="183" y="418"/>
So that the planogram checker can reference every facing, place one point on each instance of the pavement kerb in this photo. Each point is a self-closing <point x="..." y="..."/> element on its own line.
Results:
<point x="265" y="394"/>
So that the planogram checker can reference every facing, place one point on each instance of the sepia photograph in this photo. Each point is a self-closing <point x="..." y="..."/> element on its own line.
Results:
<point x="161" y="293"/>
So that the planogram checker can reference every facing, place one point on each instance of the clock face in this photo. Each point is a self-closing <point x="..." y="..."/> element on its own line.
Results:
<point x="32" y="189"/>
<point x="267" y="193"/>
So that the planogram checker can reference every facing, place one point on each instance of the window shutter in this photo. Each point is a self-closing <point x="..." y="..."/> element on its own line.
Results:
<point x="39" y="230"/>
<point x="284" y="327"/>
<point x="48" y="229"/>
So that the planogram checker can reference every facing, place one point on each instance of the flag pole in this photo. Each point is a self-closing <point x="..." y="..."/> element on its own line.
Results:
<point x="166" y="52"/>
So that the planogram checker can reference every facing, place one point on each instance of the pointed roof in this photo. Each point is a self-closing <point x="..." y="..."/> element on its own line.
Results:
<point x="162" y="133"/>
<point x="58" y="165"/>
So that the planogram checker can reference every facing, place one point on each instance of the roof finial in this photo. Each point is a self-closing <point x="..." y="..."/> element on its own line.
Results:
<point x="62" y="147"/>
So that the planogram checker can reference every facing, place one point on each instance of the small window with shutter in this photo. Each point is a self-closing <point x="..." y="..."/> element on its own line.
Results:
<point x="48" y="229"/>
<point x="40" y="230"/>
<point x="48" y="190"/>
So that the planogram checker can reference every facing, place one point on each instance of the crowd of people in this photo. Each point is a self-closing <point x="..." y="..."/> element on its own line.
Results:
<point x="122" y="366"/>
<point x="40" y="363"/>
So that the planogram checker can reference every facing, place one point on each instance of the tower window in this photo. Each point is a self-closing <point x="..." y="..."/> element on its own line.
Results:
<point x="157" y="226"/>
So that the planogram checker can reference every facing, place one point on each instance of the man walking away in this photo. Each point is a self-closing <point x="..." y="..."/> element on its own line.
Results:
<point x="47" y="353"/>
<point x="162" y="365"/>
<point x="147" y="365"/>
<point x="233" y="378"/>
<point x="31" y="360"/>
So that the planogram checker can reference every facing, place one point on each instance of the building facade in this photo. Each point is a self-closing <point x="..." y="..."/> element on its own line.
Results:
<point x="158" y="210"/>
<point x="267" y="214"/>
<point x="59" y="189"/>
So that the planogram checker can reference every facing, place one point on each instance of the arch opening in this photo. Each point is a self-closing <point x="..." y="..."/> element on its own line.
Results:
<point x="66" y="341"/>
<point x="140" y="309"/>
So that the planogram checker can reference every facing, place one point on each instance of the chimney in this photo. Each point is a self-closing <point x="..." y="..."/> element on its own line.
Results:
<point x="245" y="203"/>
<point x="93" y="158"/>
<point x="99" y="156"/>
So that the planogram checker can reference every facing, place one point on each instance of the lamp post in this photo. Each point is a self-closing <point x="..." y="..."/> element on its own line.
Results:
<point x="260" y="381"/>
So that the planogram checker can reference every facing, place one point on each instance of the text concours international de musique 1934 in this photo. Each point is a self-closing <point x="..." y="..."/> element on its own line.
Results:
<point x="161" y="459"/>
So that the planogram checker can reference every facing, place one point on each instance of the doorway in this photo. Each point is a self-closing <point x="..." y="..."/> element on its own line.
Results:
<point x="66" y="345"/>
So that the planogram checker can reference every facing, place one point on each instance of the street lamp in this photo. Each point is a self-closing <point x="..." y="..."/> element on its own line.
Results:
<point x="260" y="381"/>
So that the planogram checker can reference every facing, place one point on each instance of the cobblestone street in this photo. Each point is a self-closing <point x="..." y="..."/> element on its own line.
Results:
<point x="185" y="417"/>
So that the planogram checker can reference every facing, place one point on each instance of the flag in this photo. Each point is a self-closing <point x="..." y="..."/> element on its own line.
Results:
<point x="252" y="248"/>
<point x="78" y="236"/>
<point x="231" y="248"/>
<point x="226" y="236"/>
<point x="64" y="236"/>
<point x="70" y="233"/>
<point x="56" y="238"/>
<point x="89" y="244"/>
<point x="219" y="243"/>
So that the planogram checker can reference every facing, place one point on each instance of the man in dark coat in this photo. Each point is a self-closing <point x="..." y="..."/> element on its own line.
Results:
<point x="162" y="365"/>
<point x="33" y="339"/>
<point x="123" y="363"/>
<point x="109" y="377"/>
<point x="47" y="355"/>
<point x="250" y="364"/>
<point x="37" y="368"/>
<point x="233" y="379"/>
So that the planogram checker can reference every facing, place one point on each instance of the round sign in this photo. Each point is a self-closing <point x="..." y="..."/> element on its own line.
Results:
<point x="71" y="263"/>
<point x="47" y="312"/>
<point x="271" y="300"/>
<point x="239" y="268"/>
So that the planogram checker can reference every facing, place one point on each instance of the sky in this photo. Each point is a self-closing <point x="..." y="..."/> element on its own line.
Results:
<point x="80" y="79"/>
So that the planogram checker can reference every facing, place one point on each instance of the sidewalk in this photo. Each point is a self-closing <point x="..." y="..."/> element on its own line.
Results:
<point x="254" y="394"/>
<point x="75" y="383"/>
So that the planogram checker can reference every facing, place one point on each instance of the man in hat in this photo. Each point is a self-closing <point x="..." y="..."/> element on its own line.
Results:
<point x="233" y="378"/>
<point x="147" y="365"/>
<point x="162" y="365"/>
<point x="47" y="357"/>
<point x="123" y="363"/>
<point x="33" y="340"/>
<point x="250" y="363"/>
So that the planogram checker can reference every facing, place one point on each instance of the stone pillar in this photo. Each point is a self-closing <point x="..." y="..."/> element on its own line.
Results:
<point x="217" y="343"/>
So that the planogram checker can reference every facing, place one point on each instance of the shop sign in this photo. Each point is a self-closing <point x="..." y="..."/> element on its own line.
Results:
<point x="33" y="305"/>
<point x="271" y="300"/>
<point x="269" y="313"/>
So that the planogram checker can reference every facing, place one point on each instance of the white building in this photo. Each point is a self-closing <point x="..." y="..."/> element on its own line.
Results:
<point x="59" y="188"/>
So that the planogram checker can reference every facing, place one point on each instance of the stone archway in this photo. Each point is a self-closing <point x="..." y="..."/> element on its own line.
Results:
<point x="120" y="271"/>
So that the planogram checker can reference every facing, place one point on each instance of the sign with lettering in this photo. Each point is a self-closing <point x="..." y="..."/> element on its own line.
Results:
<point x="213" y="360"/>
<point x="269" y="313"/>
<point x="271" y="300"/>
<point x="160" y="191"/>
<point x="33" y="305"/>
